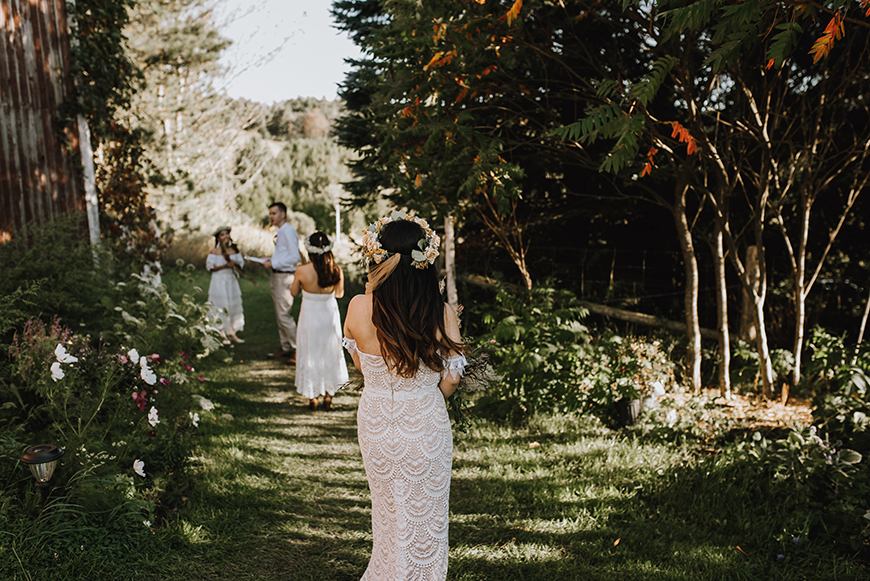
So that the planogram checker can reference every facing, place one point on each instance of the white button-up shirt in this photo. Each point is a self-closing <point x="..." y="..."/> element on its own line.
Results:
<point x="286" y="255"/>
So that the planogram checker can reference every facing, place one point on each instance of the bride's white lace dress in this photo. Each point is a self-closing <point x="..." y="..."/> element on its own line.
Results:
<point x="407" y="448"/>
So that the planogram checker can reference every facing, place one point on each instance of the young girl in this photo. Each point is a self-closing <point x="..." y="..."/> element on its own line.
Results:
<point x="320" y="366"/>
<point x="224" y="293"/>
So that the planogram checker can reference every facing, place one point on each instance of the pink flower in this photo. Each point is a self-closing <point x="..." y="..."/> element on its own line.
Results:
<point x="186" y="366"/>
<point x="156" y="358"/>
<point x="201" y="378"/>
<point x="164" y="381"/>
<point x="123" y="359"/>
<point x="141" y="401"/>
<point x="183" y="355"/>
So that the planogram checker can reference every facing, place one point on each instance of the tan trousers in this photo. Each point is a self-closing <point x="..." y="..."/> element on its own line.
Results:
<point x="279" y="286"/>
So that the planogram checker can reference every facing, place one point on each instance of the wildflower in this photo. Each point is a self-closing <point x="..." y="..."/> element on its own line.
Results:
<point x="201" y="378"/>
<point x="183" y="355"/>
<point x="139" y="467"/>
<point x="164" y="381"/>
<point x="155" y="358"/>
<point x="62" y="355"/>
<point x="153" y="418"/>
<point x="780" y="557"/>
<point x="186" y="366"/>
<point x="56" y="371"/>
<point x="146" y="374"/>
<point x="123" y="359"/>
<point x="133" y="355"/>
<point x="194" y="418"/>
<point x="141" y="400"/>
<point x="147" y="523"/>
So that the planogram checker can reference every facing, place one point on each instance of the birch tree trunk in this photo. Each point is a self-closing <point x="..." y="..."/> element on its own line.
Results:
<point x="722" y="312"/>
<point x="450" y="262"/>
<point x="693" y="328"/>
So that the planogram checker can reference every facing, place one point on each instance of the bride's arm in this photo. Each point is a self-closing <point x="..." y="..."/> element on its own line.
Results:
<point x="449" y="380"/>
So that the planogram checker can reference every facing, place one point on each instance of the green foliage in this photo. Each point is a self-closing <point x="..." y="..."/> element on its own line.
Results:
<point x="540" y="346"/>
<point x="52" y="271"/>
<point x="548" y="360"/>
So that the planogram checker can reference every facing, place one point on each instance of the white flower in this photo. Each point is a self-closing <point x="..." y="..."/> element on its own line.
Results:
<point x="62" y="355"/>
<point x="147" y="523"/>
<point x="658" y="389"/>
<point x="56" y="371"/>
<point x="671" y="417"/>
<point x="146" y="374"/>
<point x="153" y="419"/>
<point x="194" y="417"/>
<point x="133" y="355"/>
<point x="139" y="467"/>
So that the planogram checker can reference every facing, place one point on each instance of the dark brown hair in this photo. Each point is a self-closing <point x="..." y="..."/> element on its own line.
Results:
<point x="407" y="309"/>
<point x="328" y="273"/>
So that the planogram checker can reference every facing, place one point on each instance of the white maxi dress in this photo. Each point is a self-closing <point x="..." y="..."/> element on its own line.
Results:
<point x="320" y="365"/>
<point x="225" y="295"/>
<point x="407" y="448"/>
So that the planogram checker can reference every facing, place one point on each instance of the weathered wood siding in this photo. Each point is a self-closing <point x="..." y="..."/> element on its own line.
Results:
<point x="38" y="177"/>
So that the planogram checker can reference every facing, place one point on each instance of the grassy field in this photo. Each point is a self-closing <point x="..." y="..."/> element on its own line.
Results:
<point x="281" y="494"/>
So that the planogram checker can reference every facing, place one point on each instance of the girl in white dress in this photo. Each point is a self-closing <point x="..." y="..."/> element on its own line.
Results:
<point x="320" y="366"/>
<point x="405" y="340"/>
<point x="225" y="262"/>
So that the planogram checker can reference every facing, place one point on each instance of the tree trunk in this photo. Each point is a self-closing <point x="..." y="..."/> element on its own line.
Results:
<point x="722" y="313"/>
<point x="800" y="295"/>
<point x="693" y="328"/>
<point x="91" y="199"/>
<point x="861" y="330"/>
<point x="747" y="330"/>
<point x="450" y="262"/>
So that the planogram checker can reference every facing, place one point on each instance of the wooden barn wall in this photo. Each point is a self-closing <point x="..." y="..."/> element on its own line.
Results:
<point x="37" y="173"/>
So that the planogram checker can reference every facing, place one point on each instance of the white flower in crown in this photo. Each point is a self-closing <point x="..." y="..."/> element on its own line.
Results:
<point x="372" y="251"/>
<point x="317" y="249"/>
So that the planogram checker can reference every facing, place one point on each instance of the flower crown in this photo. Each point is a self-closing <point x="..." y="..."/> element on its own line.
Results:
<point x="372" y="251"/>
<point x="312" y="249"/>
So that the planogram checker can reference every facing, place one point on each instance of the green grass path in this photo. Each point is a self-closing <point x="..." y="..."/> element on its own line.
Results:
<point x="281" y="494"/>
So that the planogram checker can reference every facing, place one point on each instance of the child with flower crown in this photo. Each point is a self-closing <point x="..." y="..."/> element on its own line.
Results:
<point x="405" y="340"/>
<point x="320" y="366"/>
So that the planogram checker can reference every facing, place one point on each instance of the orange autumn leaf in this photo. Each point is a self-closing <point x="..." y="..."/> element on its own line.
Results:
<point x="418" y="181"/>
<point x="650" y="164"/>
<point x="514" y="11"/>
<point x="461" y="95"/>
<point x="769" y="64"/>
<point x="434" y="60"/>
<point x="833" y="31"/>
<point x="683" y="136"/>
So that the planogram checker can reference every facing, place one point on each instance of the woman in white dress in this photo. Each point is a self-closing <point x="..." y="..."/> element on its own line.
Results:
<point x="405" y="340"/>
<point x="320" y="366"/>
<point x="225" y="262"/>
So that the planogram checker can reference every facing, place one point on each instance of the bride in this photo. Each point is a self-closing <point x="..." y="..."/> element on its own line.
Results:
<point x="405" y="340"/>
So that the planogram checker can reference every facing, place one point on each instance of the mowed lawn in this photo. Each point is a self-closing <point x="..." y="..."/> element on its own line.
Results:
<point x="281" y="494"/>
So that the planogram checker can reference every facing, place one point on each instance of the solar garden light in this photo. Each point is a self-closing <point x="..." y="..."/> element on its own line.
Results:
<point x="42" y="460"/>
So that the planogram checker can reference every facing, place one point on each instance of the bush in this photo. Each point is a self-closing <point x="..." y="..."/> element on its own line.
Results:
<point x="549" y="361"/>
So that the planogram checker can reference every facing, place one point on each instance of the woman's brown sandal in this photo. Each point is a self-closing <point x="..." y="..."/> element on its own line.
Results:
<point x="312" y="404"/>
<point x="327" y="402"/>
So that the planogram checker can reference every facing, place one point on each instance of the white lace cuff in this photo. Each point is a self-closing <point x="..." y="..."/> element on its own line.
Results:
<point x="350" y="345"/>
<point x="455" y="366"/>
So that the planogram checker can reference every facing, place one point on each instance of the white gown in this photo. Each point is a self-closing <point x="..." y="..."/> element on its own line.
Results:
<point x="224" y="293"/>
<point x="407" y="448"/>
<point x="320" y="365"/>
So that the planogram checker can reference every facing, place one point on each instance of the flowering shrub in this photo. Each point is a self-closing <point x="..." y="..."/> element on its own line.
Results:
<point x="113" y="412"/>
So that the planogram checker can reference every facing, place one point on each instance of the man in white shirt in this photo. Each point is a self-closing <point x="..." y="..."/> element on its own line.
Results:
<point x="283" y="264"/>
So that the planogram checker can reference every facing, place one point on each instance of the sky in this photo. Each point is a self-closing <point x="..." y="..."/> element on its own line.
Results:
<point x="307" y="51"/>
